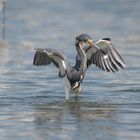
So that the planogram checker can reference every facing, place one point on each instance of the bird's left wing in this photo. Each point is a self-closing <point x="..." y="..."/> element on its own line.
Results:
<point x="48" y="56"/>
<point x="105" y="56"/>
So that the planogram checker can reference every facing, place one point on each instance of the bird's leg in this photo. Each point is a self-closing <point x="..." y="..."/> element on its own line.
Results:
<point x="67" y="93"/>
<point x="67" y="88"/>
<point x="77" y="92"/>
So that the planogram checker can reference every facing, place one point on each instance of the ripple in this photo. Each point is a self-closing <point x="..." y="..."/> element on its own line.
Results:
<point x="32" y="100"/>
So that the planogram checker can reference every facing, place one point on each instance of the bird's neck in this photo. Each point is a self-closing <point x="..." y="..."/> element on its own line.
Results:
<point x="82" y="55"/>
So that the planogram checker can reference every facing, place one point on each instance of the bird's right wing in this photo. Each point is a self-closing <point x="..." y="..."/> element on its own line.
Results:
<point x="105" y="56"/>
<point x="48" y="56"/>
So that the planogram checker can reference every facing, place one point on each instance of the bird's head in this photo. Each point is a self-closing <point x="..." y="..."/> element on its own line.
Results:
<point x="84" y="38"/>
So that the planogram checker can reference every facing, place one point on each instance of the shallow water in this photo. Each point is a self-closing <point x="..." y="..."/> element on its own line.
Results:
<point x="32" y="104"/>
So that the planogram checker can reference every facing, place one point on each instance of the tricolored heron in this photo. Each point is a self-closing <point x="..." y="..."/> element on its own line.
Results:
<point x="100" y="53"/>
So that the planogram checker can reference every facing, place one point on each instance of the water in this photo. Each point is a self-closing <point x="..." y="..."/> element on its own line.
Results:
<point x="32" y="104"/>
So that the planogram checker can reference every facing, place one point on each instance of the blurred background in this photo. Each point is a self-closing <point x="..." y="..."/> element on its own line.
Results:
<point x="32" y="104"/>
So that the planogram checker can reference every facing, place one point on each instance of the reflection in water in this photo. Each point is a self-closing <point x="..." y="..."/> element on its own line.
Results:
<point x="71" y="119"/>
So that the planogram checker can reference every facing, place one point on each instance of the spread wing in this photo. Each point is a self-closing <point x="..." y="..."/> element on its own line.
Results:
<point x="104" y="55"/>
<point x="48" y="56"/>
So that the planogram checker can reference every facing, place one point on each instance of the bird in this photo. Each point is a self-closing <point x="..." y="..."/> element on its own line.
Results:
<point x="100" y="53"/>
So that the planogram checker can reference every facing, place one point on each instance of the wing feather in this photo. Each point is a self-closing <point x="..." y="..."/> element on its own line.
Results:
<point x="117" y="58"/>
<point x="103" y="65"/>
<point x="104" y="55"/>
<point x="106" y="65"/>
<point x="48" y="56"/>
<point x="37" y="58"/>
<point x="114" y="62"/>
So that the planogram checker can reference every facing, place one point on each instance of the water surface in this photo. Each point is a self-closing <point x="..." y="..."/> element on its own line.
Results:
<point x="32" y="104"/>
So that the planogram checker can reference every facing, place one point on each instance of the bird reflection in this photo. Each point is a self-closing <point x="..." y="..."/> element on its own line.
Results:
<point x="73" y="110"/>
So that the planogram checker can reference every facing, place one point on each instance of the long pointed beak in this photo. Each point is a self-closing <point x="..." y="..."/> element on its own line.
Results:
<point x="90" y="43"/>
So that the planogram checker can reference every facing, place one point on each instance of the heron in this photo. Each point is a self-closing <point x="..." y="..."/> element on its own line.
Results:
<point x="100" y="53"/>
